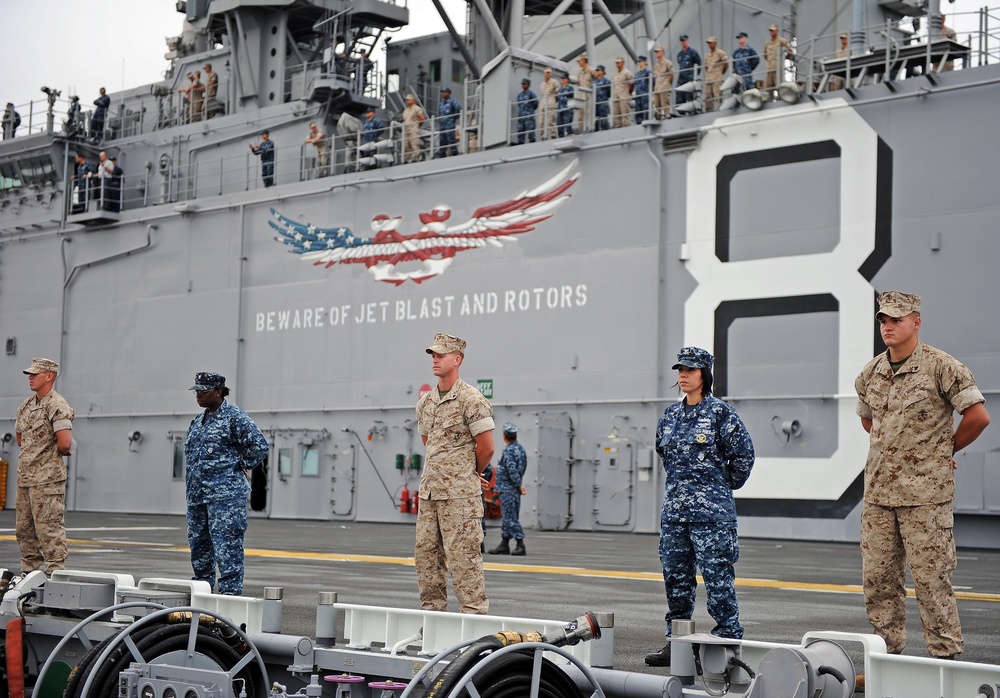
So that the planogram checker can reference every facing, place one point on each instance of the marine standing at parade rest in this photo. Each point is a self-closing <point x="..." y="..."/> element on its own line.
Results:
<point x="907" y="398"/>
<point x="510" y="487"/>
<point x="265" y="149"/>
<point x="776" y="48"/>
<point x="621" y="87"/>
<point x="707" y="453"/>
<point x="687" y="60"/>
<point x="43" y="431"/>
<point x="455" y="422"/>
<point x="585" y="78"/>
<point x="548" y="90"/>
<point x="663" y="79"/>
<point x="602" y="95"/>
<point x="222" y="445"/>
<point x="745" y="61"/>
<point x="564" y="117"/>
<point x="527" y="105"/>
<point x="716" y="65"/>
<point x="211" y="91"/>
<point x="413" y="116"/>
<point x="448" y="111"/>
<point x="317" y="139"/>
<point x="642" y="80"/>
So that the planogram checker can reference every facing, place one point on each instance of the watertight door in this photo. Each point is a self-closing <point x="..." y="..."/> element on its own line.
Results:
<point x="554" y="484"/>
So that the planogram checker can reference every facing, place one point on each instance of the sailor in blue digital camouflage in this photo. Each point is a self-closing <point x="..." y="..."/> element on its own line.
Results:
<point x="510" y="487"/>
<point x="688" y="62"/>
<point x="223" y="444"/>
<point x="564" y="113"/>
<point x="642" y="89"/>
<point x="707" y="453"/>
<point x="455" y="422"/>
<point x="907" y="399"/>
<point x="527" y="105"/>
<point x="602" y="100"/>
<point x="43" y="431"/>
<point x="448" y="111"/>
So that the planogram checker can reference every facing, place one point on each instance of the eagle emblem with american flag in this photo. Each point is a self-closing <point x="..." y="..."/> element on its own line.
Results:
<point x="390" y="254"/>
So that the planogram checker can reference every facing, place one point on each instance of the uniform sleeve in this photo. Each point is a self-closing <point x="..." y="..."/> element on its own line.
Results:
<point x="252" y="442"/>
<point x="422" y="428"/>
<point x="479" y="414"/>
<point x="864" y="410"/>
<point x="753" y="60"/>
<point x="512" y="459"/>
<point x="959" y="386"/>
<point x="736" y="448"/>
<point x="61" y="415"/>
<point x="660" y="445"/>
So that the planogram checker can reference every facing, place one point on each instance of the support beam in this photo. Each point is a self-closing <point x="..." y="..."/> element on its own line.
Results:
<point x="491" y="25"/>
<point x="516" y="32"/>
<point x="649" y="18"/>
<point x="459" y="40"/>
<point x="603" y="36"/>
<point x="549" y="21"/>
<point x="613" y="24"/>
<point x="588" y="29"/>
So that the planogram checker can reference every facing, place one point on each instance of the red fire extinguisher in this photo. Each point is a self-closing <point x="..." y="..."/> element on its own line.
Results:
<point x="404" y="500"/>
<point x="416" y="502"/>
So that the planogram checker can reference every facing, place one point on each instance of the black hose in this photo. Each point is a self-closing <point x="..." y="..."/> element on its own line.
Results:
<point x="508" y="676"/>
<point x="154" y="641"/>
<point x="832" y="671"/>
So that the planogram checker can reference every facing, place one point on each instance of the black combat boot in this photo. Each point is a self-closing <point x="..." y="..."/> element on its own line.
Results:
<point x="519" y="548"/>
<point x="661" y="658"/>
<point x="502" y="549"/>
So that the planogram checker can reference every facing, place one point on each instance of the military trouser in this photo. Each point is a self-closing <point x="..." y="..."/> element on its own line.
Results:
<point x="549" y="119"/>
<point x="411" y="144"/>
<point x="215" y="535"/>
<point x="922" y="536"/>
<point x="510" y="511"/>
<point x="661" y="101"/>
<point x="565" y="122"/>
<point x="620" y="109"/>
<point x="40" y="526"/>
<point x="525" y="127"/>
<point x="601" y="123"/>
<point x="714" y="547"/>
<point x="641" y="109"/>
<point x="713" y="92"/>
<point x="449" y="536"/>
<point x="447" y="142"/>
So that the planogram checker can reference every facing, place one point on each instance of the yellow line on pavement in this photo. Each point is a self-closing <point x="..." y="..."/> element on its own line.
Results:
<point x="745" y="582"/>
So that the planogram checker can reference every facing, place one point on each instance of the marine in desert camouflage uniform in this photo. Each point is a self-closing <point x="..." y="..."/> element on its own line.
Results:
<point x="707" y="453"/>
<point x="43" y="430"/>
<point x="221" y="446"/>
<point x="456" y="424"/>
<point x="907" y="398"/>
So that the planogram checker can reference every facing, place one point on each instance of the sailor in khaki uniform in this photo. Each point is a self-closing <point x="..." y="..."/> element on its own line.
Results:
<point x="776" y="49"/>
<point x="585" y="78"/>
<point x="622" y="85"/>
<point x="663" y="78"/>
<point x="907" y="398"/>
<point x="456" y="424"/>
<point x="716" y="65"/>
<point x="44" y="434"/>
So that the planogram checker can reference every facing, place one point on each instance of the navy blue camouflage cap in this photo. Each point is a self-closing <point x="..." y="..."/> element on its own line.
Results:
<point x="741" y="35"/>
<point x="525" y="81"/>
<point x="642" y="58"/>
<point x="693" y="357"/>
<point x="445" y="89"/>
<point x="684" y="37"/>
<point x="600" y="67"/>
<point x="509" y="428"/>
<point x="208" y="381"/>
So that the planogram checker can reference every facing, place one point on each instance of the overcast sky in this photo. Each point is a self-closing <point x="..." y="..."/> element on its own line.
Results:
<point x="77" y="47"/>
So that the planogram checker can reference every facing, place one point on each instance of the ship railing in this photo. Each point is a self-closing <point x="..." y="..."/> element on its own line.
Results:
<point x="91" y="194"/>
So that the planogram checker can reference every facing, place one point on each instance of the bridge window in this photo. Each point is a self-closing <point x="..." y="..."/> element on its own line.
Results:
<point x="434" y="71"/>
<point x="37" y="169"/>
<point x="10" y="178"/>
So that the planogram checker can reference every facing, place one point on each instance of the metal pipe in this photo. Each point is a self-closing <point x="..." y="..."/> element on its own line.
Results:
<point x="459" y="40"/>
<point x="516" y="28"/>
<point x="588" y="36"/>
<point x="326" y="617"/>
<point x="625" y="684"/>
<point x="549" y="21"/>
<point x="491" y="25"/>
<point x="857" y="29"/>
<point x="649" y="16"/>
<point x="607" y="34"/>
<point x="934" y="20"/>
<point x="613" y="24"/>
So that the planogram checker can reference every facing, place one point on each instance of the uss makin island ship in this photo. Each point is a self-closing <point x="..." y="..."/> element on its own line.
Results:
<point x="575" y="266"/>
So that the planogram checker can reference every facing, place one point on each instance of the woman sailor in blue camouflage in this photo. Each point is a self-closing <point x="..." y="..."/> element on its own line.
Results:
<point x="707" y="453"/>
<point x="222" y="444"/>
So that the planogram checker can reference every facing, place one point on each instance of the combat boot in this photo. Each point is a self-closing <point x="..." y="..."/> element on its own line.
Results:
<point x="660" y="658"/>
<point x="502" y="549"/>
<point x="519" y="548"/>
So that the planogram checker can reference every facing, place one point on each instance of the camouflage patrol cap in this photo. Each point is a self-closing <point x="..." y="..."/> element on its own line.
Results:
<point x="774" y="27"/>
<point x="208" y="381"/>
<point x="509" y="428"/>
<point x="446" y="344"/>
<point x="683" y="37"/>
<point x="742" y="35"/>
<point x="41" y="366"/>
<point x="897" y="304"/>
<point x="693" y="357"/>
<point x="711" y="40"/>
<point x="659" y="48"/>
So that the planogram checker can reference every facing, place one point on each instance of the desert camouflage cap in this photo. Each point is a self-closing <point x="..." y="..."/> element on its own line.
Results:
<point x="693" y="357"/>
<point x="509" y="428"/>
<point x="208" y="381"/>
<point x="41" y="366"/>
<point x="446" y="344"/>
<point x="897" y="304"/>
<point x="774" y="27"/>
<point x="711" y="40"/>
